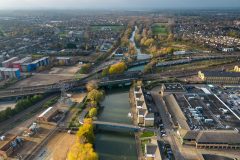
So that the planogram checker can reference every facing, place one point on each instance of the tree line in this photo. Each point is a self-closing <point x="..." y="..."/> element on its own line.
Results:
<point x="83" y="148"/>
<point x="21" y="105"/>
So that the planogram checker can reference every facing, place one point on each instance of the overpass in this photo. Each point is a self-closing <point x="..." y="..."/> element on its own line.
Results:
<point x="121" y="79"/>
<point x="123" y="126"/>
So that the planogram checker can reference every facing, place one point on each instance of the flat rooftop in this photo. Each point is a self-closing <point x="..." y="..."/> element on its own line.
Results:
<point x="173" y="87"/>
<point x="221" y="74"/>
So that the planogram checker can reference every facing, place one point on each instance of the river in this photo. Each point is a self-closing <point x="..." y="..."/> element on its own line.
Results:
<point x="115" y="144"/>
<point x="140" y="55"/>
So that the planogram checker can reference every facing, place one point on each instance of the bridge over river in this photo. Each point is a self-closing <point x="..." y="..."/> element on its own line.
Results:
<point x="123" y="126"/>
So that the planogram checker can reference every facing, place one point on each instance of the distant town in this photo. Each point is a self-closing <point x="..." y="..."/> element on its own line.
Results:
<point x="120" y="85"/>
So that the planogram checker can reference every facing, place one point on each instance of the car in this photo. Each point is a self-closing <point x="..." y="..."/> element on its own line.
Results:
<point x="163" y="135"/>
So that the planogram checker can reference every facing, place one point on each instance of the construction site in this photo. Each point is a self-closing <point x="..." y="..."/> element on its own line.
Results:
<point x="27" y="138"/>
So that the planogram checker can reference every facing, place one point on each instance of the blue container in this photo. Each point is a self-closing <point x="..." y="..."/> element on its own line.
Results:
<point x="18" y="74"/>
<point x="46" y="61"/>
<point x="33" y="66"/>
<point x="29" y="68"/>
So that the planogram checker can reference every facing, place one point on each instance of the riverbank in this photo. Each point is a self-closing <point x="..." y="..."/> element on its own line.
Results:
<point x="134" y="119"/>
<point x="115" y="143"/>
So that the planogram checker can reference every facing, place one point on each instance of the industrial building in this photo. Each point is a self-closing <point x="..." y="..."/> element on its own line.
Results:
<point x="40" y="63"/>
<point x="51" y="115"/>
<point x="63" y="61"/>
<point x="211" y="139"/>
<point x="202" y="120"/>
<point x="47" y="114"/>
<point x="170" y="88"/>
<point x="9" y="63"/>
<point x="8" y="144"/>
<point x="26" y="67"/>
<point x="10" y="73"/>
<point x="17" y="64"/>
<point x="23" y="65"/>
<point x="144" y="118"/>
<point x="219" y="77"/>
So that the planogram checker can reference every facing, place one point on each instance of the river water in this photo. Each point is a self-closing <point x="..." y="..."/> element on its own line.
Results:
<point x="140" y="55"/>
<point x="115" y="144"/>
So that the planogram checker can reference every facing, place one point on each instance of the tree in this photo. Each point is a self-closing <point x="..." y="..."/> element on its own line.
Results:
<point x="82" y="152"/>
<point x="132" y="49"/>
<point x="95" y="95"/>
<point x="85" y="68"/>
<point x="92" y="104"/>
<point x="93" y="112"/>
<point x="85" y="133"/>
<point x="149" y="42"/>
<point x="91" y="85"/>
<point x="117" y="68"/>
<point x="153" y="49"/>
<point x="105" y="72"/>
<point x="149" y="67"/>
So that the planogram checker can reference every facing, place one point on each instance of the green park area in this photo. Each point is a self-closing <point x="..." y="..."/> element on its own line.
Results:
<point x="159" y="28"/>
<point x="115" y="28"/>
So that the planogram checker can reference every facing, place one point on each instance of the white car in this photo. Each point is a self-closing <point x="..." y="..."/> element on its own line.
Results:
<point x="163" y="135"/>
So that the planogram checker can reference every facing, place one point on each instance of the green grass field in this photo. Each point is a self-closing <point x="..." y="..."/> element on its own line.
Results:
<point x="113" y="28"/>
<point x="159" y="28"/>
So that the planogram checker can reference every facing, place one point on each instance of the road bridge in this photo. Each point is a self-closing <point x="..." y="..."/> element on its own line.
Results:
<point x="123" y="126"/>
<point x="122" y="79"/>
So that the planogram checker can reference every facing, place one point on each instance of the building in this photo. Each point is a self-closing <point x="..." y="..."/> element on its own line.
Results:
<point x="18" y="64"/>
<point x="227" y="49"/>
<point x="144" y="117"/>
<point x="120" y="51"/>
<point x="63" y="60"/>
<point x="40" y="63"/>
<point x="26" y="67"/>
<point x="236" y="69"/>
<point x="46" y="115"/>
<point x="185" y="124"/>
<point x="150" y="150"/>
<point x="220" y="77"/>
<point x="172" y="88"/>
<point x="10" y="73"/>
<point x="218" y="140"/>
<point x="9" y="143"/>
<point x="211" y="139"/>
<point x="175" y="112"/>
<point x="179" y="52"/>
<point x="8" y="63"/>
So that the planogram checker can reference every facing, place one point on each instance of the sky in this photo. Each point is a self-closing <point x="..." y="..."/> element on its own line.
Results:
<point x="116" y="4"/>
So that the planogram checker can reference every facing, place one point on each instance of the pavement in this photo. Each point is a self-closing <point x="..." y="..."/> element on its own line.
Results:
<point x="83" y="115"/>
<point x="167" y="123"/>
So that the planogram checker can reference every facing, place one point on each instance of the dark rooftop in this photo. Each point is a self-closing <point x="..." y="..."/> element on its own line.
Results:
<point x="218" y="137"/>
<point x="173" y="87"/>
<point x="220" y="74"/>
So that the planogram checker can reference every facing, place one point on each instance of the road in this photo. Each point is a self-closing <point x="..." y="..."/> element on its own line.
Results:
<point x="167" y="123"/>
